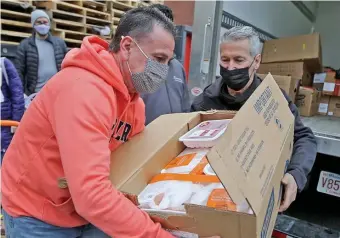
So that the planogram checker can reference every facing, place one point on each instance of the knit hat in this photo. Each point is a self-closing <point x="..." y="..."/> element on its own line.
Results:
<point x="37" y="14"/>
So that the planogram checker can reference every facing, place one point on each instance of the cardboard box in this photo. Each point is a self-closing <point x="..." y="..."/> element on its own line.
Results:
<point x="319" y="80"/>
<point x="307" y="101"/>
<point x="324" y="105"/>
<point x="288" y="83"/>
<point x="306" y="48"/>
<point x="247" y="160"/>
<point x="295" y="69"/>
<point x="327" y="83"/>
<point x="334" y="107"/>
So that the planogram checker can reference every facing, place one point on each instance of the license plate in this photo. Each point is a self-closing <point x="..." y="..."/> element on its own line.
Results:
<point x="329" y="183"/>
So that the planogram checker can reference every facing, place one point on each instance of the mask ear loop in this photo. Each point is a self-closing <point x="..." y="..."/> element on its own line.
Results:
<point x="140" y="49"/>
<point x="127" y="62"/>
<point x="253" y="73"/>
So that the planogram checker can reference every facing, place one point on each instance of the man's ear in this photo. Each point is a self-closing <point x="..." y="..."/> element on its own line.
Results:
<point x="257" y="62"/>
<point x="125" y="47"/>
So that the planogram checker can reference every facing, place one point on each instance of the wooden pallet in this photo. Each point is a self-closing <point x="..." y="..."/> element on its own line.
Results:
<point x="13" y="37"/>
<point x="65" y="34"/>
<point x="120" y="5"/>
<point x="19" y="5"/>
<point x="67" y="6"/>
<point x="149" y="2"/>
<point x="117" y="13"/>
<point x="68" y="25"/>
<point x="71" y="38"/>
<point x="67" y="16"/>
<point x="95" y="5"/>
<point x="16" y="16"/>
<point x="13" y="32"/>
<point x="97" y="14"/>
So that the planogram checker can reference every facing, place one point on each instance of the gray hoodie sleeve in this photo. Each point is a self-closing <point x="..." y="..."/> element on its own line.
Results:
<point x="304" y="149"/>
<point x="186" y="97"/>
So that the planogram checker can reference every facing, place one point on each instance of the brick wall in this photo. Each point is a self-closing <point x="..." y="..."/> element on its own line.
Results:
<point x="183" y="11"/>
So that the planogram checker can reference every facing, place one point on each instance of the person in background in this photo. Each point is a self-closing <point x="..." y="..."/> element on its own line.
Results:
<point x="12" y="100"/>
<point x="39" y="56"/>
<point x="173" y="95"/>
<point x="240" y="57"/>
<point x="55" y="177"/>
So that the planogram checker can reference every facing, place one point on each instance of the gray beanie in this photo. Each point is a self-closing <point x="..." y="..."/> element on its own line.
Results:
<point x="37" y="14"/>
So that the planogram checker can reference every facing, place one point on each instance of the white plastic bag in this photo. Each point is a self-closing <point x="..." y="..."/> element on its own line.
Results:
<point x="172" y="194"/>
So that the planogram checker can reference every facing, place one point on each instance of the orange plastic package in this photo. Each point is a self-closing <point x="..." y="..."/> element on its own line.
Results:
<point x="190" y="161"/>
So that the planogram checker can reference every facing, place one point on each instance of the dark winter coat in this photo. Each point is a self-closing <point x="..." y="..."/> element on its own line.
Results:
<point x="27" y="60"/>
<point x="12" y="103"/>
<point x="305" y="147"/>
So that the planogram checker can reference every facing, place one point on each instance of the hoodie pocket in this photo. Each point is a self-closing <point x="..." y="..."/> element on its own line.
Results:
<point x="52" y="209"/>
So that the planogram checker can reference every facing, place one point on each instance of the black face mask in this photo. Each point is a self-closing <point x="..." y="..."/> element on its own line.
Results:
<point x="235" y="79"/>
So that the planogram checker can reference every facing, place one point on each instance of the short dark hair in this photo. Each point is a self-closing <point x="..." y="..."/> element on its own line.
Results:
<point x="165" y="10"/>
<point x="139" y="22"/>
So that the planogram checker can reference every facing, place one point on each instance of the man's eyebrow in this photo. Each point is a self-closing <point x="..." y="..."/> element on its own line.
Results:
<point x="239" y="57"/>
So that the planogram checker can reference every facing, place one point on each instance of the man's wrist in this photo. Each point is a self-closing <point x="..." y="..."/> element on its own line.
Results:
<point x="299" y="178"/>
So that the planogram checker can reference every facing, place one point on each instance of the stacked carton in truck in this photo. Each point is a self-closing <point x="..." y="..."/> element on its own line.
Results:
<point x="329" y="85"/>
<point x="298" y="57"/>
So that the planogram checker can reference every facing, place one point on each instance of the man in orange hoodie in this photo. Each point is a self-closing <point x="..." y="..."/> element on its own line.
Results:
<point x="55" y="175"/>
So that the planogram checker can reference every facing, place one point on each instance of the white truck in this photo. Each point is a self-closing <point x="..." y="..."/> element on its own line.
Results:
<point x="316" y="213"/>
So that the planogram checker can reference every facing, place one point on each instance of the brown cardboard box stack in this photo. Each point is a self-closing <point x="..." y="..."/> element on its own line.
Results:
<point x="330" y="88"/>
<point x="300" y="58"/>
<point x="246" y="159"/>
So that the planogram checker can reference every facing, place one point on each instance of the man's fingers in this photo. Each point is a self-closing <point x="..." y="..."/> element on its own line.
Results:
<point x="284" y="205"/>
<point x="289" y="195"/>
<point x="286" y="197"/>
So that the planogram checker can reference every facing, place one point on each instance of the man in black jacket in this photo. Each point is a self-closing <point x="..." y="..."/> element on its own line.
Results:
<point x="39" y="57"/>
<point x="240" y="57"/>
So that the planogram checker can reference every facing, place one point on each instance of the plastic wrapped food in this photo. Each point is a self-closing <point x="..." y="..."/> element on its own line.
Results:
<point x="190" y="161"/>
<point x="208" y="170"/>
<point x="172" y="191"/>
<point x="205" y="134"/>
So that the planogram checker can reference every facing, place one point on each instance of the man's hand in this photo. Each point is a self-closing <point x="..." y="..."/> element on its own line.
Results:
<point x="289" y="195"/>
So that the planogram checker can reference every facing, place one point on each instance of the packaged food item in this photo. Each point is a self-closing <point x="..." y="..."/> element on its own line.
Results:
<point x="172" y="191"/>
<point x="190" y="161"/>
<point x="205" y="134"/>
<point x="208" y="170"/>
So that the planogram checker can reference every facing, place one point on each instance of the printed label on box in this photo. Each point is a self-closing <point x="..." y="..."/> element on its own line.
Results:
<point x="319" y="78"/>
<point x="268" y="215"/>
<point x="329" y="87"/>
<point x="323" y="107"/>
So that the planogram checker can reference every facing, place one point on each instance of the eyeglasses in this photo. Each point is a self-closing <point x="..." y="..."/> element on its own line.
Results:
<point x="42" y="23"/>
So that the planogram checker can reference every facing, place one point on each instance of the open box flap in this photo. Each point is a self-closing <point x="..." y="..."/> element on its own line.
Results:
<point x="145" y="145"/>
<point x="247" y="154"/>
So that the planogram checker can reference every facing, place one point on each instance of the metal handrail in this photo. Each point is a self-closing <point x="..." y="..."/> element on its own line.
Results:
<point x="229" y="21"/>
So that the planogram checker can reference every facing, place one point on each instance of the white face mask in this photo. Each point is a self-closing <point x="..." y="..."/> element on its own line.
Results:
<point x="42" y="29"/>
<point x="153" y="76"/>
